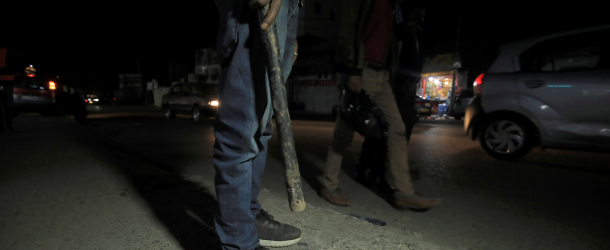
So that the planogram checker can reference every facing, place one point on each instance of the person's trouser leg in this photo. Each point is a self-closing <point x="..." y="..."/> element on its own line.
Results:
<point x="243" y="127"/>
<point x="6" y="109"/>
<point x="405" y="89"/>
<point x="378" y="86"/>
<point x="372" y="156"/>
<point x="3" y="126"/>
<point x="342" y="138"/>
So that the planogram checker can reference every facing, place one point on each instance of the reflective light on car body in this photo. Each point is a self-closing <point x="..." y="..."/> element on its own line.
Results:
<point x="560" y="86"/>
<point x="543" y="107"/>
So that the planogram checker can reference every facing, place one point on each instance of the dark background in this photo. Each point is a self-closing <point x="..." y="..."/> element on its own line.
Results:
<point x="93" y="43"/>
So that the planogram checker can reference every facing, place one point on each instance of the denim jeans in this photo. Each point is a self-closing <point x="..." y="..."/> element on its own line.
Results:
<point x="243" y="122"/>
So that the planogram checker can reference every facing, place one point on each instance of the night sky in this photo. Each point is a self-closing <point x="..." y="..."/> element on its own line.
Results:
<point x="94" y="43"/>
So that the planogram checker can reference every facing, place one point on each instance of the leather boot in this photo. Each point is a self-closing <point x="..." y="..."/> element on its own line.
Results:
<point x="416" y="203"/>
<point x="335" y="197"/>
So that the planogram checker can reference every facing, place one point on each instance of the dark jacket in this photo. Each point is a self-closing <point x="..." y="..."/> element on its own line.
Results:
<point x="354" y="17"/>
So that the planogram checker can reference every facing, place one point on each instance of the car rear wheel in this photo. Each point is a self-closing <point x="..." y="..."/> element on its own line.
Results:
<point x="196" y="114"/>
<point x="169" y="114"/>
<point x="506" y="139"/>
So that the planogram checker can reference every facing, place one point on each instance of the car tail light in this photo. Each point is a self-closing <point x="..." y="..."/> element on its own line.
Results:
<point x="477" y="85"/>
<point x="52" y="85"/>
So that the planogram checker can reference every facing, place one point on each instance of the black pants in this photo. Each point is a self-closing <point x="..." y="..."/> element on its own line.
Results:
<point x="6" y="106"/>
<point x="374" y="150"/>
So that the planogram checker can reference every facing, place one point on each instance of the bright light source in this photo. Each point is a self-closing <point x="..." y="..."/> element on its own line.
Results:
<point x="96" y="100"/>
<point x="52" y="85"/>
<point x="214" y="103"/>
<point x="431" y="78"/>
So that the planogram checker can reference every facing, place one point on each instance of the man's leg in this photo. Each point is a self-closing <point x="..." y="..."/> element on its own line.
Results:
<point x="3" y="127"/>
<point x="404" y="90"/>
<point x="372" y="160"/>
<point x="398" y="166"/>
<point x="376" y="82"/>
<point x="342" y="138"/>
<point x="9" y="112"/>
<point x="236" y="124"/>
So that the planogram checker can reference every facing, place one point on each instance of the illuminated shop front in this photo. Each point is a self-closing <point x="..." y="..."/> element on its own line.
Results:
<point x="437" y="85"/>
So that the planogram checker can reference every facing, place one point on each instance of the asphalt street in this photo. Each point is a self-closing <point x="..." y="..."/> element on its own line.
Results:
<point x="130" y="179"/>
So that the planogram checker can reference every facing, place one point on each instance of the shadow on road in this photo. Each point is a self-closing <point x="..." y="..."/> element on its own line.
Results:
<point x="186" y="209"/>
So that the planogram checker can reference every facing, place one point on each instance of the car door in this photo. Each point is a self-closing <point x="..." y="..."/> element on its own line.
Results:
<point x="186" y="101"/>
<point x="565" y="83"/>
<point x="173" y="101"/>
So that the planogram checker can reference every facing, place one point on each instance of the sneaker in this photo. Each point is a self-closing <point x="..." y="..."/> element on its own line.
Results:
<point x="274" y="234"/>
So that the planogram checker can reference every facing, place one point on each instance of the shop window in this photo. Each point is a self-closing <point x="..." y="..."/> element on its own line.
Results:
<point x="572" y="53"/>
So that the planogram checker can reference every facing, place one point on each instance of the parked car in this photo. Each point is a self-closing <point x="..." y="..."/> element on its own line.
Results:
<point x="422" y="107"/>
<point x="551" y="91"/>
<point x="461" y="103"/>
<point x="47" y="95"/>
<point x="191" y="98"/>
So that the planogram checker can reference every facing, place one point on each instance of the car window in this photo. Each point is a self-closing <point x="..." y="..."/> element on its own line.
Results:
<point x="177" y="89"/>
<point x="35" y="84"/>
<point x="576" y="52"/>
<point x="186" y="89"/>
<point x="203" y="90"/>
<point x="22" y="84"/>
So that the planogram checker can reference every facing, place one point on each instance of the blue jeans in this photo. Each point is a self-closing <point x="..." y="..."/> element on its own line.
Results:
<point x="243" y="122"/>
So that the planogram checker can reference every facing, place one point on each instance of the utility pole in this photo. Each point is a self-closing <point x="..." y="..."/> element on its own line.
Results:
<point x="456" y="63"/>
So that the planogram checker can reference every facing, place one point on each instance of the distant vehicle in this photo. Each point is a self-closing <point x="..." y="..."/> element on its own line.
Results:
<point x="552" y="91"/>
<point x="48" y="96"/>
<point x="422" y="107"/>
<point x="191" y="98"/>
<point x="461" y="103"/>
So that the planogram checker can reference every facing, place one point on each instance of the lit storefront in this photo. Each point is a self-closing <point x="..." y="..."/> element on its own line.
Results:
<point x="436" y="80"/>
<point x="436" y="86"/>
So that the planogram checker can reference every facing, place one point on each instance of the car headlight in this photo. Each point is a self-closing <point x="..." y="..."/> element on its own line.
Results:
<point x="213" y="103"/>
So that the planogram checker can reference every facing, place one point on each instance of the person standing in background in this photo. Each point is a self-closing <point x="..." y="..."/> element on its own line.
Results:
<point x="9" y="69"/>
<point x="369" y="44"/>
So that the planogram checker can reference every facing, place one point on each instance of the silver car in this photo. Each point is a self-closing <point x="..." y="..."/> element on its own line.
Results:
<point x="195" y="99"/>
<point x="552" y="91"/>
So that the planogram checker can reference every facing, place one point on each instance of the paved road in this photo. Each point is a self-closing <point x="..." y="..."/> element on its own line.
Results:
<point x="129" y="179"/>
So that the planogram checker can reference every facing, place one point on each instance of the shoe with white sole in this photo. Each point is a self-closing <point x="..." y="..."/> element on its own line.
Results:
<point x="275" y="234"/>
